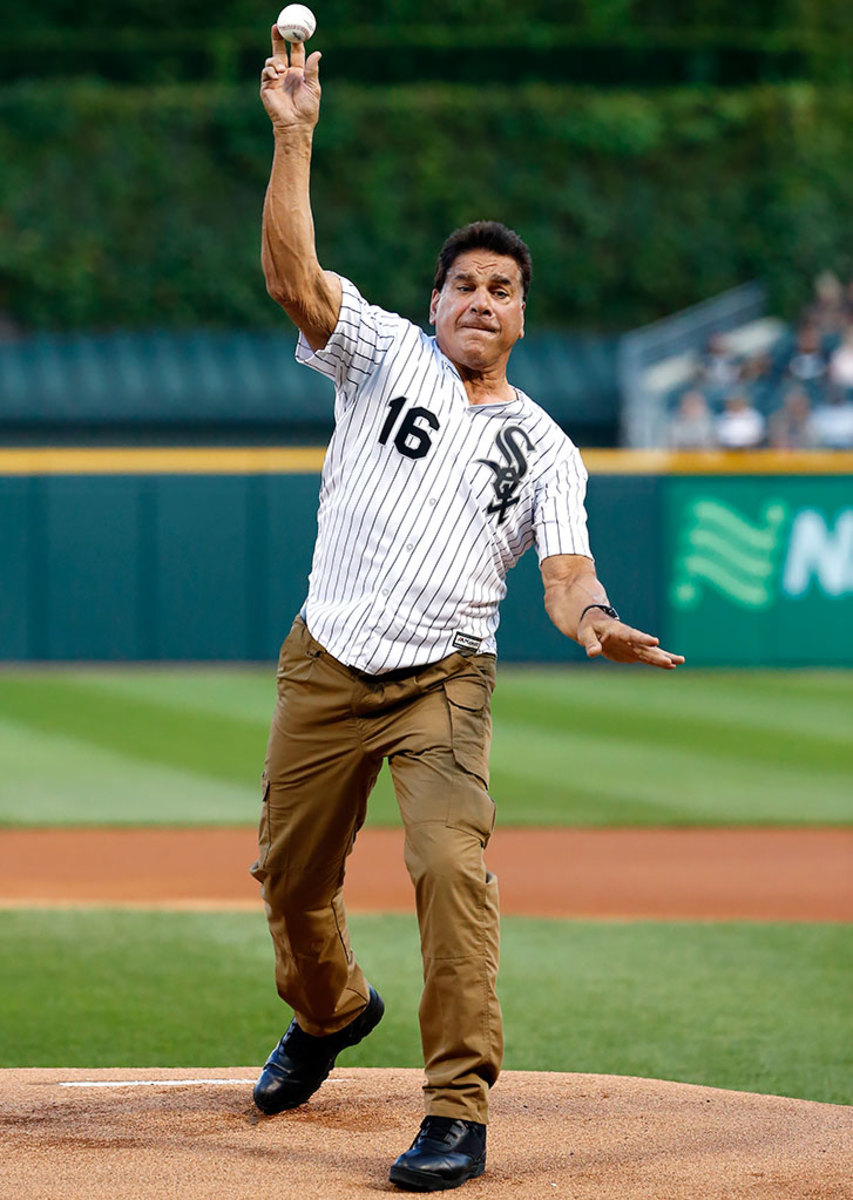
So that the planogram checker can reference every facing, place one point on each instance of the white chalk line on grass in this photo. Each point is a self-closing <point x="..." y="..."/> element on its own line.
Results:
<point x="125" y="1083"/>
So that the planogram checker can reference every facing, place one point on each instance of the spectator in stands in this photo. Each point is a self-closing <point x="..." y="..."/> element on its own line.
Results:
<point x="809" y="362"/>
<point x="740" y="426"/>
<point x="692" y="426"/>
<point x="832" y="423"/>
<point x="758" y="379"/>
<point x="828" y="312"/>
<point x="841" y="366"/>
<point x="791" y="426"/>
<point x="718" y="369"/>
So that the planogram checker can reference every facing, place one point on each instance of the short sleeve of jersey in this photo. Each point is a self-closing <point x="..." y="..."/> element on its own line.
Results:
<point x="560" y="513"/>
<point x="359" y="341"/>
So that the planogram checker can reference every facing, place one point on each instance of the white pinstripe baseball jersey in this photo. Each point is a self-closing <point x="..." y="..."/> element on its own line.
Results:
<point x="426" y="500"/>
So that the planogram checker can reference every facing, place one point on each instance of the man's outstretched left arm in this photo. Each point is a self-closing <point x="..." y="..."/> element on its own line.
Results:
<point x="573" y="593"/>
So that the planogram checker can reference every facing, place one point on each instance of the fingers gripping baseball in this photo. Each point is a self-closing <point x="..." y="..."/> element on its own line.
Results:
<point x="290" y="88"/>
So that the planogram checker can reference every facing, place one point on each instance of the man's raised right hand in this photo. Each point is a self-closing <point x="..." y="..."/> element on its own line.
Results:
<point x="291" y="92"/>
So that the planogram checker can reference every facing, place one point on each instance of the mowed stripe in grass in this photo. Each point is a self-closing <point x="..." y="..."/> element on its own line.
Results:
<point x="752" y="1007"/>
<point x="599" y="746"/>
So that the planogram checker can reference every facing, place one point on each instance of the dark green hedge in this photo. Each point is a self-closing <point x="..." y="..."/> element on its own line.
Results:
<point x="634" y="43"/>
<point x="630" y="58"/>
<point x="342" y="15"/>
<point x="124" y="207"/>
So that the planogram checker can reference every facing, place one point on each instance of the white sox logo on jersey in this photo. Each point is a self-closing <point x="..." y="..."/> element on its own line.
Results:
<point x="510" y="472"/>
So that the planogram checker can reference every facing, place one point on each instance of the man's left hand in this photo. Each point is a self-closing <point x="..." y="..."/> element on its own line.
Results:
<point x="603" y="635"/>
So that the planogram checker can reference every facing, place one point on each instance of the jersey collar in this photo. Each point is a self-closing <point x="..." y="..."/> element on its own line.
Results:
<point x="449" y="367"/>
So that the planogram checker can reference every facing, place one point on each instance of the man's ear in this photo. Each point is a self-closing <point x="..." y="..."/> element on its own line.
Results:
<point x="433" y="305"/>
<point x="523" y="307"/>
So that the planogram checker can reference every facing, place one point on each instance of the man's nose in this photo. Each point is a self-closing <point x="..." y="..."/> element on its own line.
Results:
<point x="481" y="301"/>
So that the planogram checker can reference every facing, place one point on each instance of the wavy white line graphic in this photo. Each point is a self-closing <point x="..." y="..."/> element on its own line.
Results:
<point x="750" y="595"/>
<point x="716" y="545"/>
<point x="736" y="527"/>
<point x="720" y="547"/>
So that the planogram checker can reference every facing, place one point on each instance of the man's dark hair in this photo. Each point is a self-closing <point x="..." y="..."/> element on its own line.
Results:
<point x="484" y="235"/>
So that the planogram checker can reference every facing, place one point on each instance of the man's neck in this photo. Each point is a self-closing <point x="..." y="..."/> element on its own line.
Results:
<point x="486" y="387"/>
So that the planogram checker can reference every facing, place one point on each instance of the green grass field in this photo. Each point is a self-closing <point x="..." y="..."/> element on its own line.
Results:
<point x="599" y="746"/>
<point x="756" y="1007"/>
<point x="753" y="1007"/>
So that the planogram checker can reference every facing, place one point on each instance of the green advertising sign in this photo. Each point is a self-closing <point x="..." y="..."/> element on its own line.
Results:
<point x="760" y="569"/>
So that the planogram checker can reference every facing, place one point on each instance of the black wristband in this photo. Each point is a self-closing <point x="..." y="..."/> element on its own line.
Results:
<point x="605" y="608"/>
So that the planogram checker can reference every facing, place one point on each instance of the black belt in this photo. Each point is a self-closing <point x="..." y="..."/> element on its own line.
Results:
<point x="392" y="676"/>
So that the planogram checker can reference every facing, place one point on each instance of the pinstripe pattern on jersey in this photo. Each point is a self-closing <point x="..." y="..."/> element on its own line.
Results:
<point x="408" y="553"/>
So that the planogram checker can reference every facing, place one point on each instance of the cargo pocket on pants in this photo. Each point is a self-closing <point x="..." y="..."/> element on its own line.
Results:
<point x="257" y="868"/>
<point x="470" y="731"/>
<point x="471" y="808"/>
<point x="470" y="723"/>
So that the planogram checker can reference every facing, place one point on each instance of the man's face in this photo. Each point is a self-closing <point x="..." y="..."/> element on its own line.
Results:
<point x="479" y="312"/>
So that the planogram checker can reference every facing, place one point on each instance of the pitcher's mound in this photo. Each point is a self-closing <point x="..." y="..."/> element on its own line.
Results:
<point x="195" y="1135"/>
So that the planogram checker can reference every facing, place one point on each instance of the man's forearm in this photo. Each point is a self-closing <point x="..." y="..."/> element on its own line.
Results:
<point x="293" y="274"/>
<point x="288" y="251"/>
<point x="291" y="95"/>
<point x="569" y="589"/>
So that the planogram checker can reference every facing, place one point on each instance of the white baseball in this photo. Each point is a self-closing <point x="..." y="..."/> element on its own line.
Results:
<point x="296" y="23"/>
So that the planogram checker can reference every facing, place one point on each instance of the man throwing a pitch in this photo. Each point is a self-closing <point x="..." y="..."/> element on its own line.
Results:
<point x="438" y="477"/>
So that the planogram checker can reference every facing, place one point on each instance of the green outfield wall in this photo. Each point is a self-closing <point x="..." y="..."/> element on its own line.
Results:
<point x="204" y="554"/>
<point x="760" y="570"/>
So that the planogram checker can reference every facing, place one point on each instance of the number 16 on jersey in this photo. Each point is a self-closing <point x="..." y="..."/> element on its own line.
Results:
<point x="411" y="438"/>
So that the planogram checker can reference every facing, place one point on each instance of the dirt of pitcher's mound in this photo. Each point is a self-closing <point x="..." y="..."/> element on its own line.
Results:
<point x="195" y="1135"/>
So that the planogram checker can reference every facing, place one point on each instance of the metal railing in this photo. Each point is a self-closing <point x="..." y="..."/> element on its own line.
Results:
<point x="644" y="416"/>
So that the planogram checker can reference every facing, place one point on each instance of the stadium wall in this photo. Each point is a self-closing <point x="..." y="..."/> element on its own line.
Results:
<point x="203" y="554"/>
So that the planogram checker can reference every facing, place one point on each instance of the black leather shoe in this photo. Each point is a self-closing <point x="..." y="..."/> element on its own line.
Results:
<point x="300" y="1062"/>
<point x="445" y="1153"/>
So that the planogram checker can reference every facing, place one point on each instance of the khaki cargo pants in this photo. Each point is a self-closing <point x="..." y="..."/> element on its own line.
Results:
<point x="331" y="730"/>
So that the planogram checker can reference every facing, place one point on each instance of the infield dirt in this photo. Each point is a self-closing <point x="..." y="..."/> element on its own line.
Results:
<point x="687" y="874"/>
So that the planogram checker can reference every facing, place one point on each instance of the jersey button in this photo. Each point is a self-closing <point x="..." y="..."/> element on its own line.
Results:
<point x="410" y="547"/>
<point x="384" y="591"/>
<point x="432" y="500"/>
